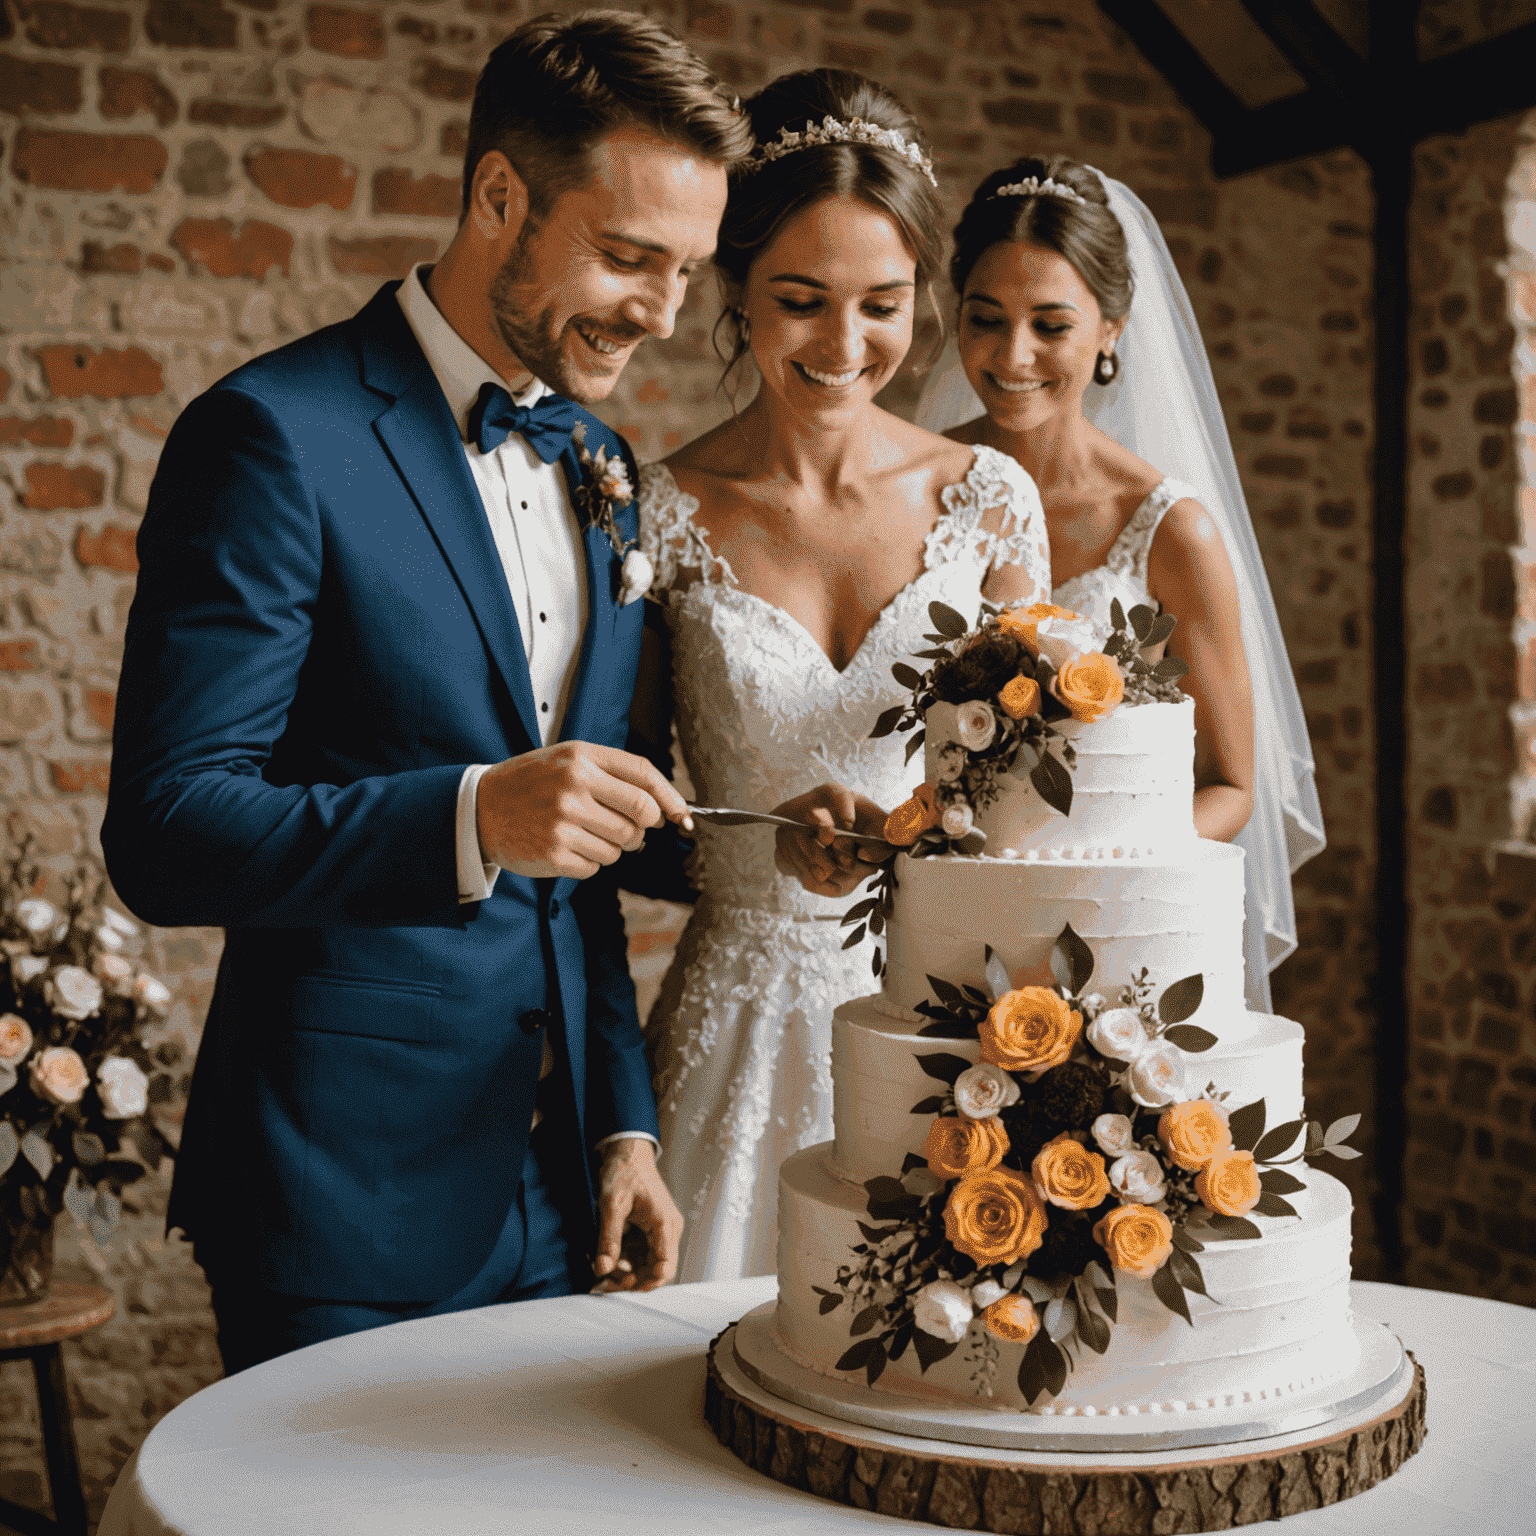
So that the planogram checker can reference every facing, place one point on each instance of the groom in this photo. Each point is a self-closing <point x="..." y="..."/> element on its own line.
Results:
<point x="371" y="722"/>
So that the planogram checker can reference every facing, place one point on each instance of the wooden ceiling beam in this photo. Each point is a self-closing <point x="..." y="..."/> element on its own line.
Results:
<point x="1179" y="62"/>
<point x="1318" y="54"/>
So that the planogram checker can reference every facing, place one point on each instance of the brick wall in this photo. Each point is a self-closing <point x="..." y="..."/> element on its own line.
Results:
<point x="189" y="184"/>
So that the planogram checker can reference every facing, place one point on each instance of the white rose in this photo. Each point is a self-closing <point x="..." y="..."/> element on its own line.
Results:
<point x="975" y="725"/>
<point x="108" y="936"/>
<point x="74" y="993"/>
<point x="944" y="1310"/>
<point x="1137" y="1178"/>
<point x="984" y="1293"/>
<point x="981" y="1091"/>
<point x="115" y="919"/>
<point x="1062" y="639"/>
<point x="15" y="1038"/>
<point x="921" y="1182"/>
<point x="35" y="915"/>
<point x="1113" y="1134"/>
<point x="957" y="819"/>
<point x="59" y="1075"/>
<point x="637" y="574"/>
<point x="25" y="969"/>
<point x="1118" y="1033"/>
<point x="123" y="1087"/>
<point x="1157" y="1076"/>
<point x="115" y="973"/>
<point x="7" y="1077"/>
<point x="154" y="995"/>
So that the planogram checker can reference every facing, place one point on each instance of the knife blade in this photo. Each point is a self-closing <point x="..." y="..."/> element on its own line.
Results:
<point x="725" y="816"/>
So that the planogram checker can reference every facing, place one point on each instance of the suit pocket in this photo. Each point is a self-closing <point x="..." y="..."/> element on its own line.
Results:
<point x="380" y="1007"/>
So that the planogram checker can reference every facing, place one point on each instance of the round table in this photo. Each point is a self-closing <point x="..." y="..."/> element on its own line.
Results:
<point x="585" y="1414"/>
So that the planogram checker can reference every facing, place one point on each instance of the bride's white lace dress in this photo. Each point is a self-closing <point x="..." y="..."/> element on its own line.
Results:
<point x="741" y="1034"/>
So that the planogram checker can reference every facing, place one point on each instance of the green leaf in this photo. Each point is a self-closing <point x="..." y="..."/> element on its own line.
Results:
<point x="901" y="1338"/>
<point x="1116" y="614"/>
<point x="10" y="1145"/>
<point x="37" y="1152"/>
<point x="865" y="1320"/>
<point x="861" y="909"/>
<point x="1187" y="1271"/>
<point x="1032" y="1370"/>
<point x="1181" y="999"/>
<point x="1234" y="1227"/>
<point x="908" y="677"/>
<point x="947" y="621"/>
<point x="884" y="1187"/>
<point x="1055" y="1365"/>
<point x="997" y="974"/>
<point x="1340" y="1130"/>
<point x="1109" y="1299"/>
<point x="1185" y="1239"/>
<point x="886" y="722"/>
<point x="1340" y="1150"/>
<point x="913" y="745"/>
<point x="1036" y="1289"/>
<point x="1060" y="1318"/>
<point x="1071" y="961"/>
<point x="1272" y="1143"/>
<point x="1274" y="1205"/>
<point x="1190" y="1037"/>
<point x="1166" y="1287"/>
<point x="1142" y="618"/>
<point x="857" y="1358"/>
<point x="946" y="991"/>
<point x="874" y="1234"/>
<point x="1052" y="783"/>
<point x="1277" y="1181"/>
<point x="88" y="1148"/>
<point x="929" y="1106"/>
<point x="1093" y="1330"/>
<point x="945" y="1067"/>
<point x="931" y="1350"/>
<point x="856" y="937"/>
<point x="79" y="1201"/>
<point x="1247" y="1125"/>
<point x="830" y="1304"/>
<point x="1170" y="669"/>
<point x="1314" y="1137"/>
<point x="877" y="963"/>
<point x="1162" y="628"/>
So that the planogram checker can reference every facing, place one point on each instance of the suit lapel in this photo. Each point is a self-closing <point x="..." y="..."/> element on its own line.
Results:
<point x="600" y="563"/>
<point x="422" y="439"/>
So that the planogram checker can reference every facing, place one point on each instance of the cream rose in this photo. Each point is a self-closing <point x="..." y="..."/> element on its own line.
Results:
<point x="981" y="1091"/>
<point x="1113" y="1134"/>
<point x="15" y="1037"/>
<point x="115" y="919"/>
<point x="1062" y="640"/>
<point x="943" y="1309"/>
<point x="636" y="576"/>
<point x="1023" y="623"/>
<point x="1067" y="1174"/>
<point x="1157" y="1076"/>
<point x="124" y="1089"/>
<point x="59" y="1075"/>
<point x="25" y="969"/>
<point x="114" y="973"/>
<point x="921" y="1182"/>
<point x="1012" y="1319"/>
<point x="36" y="916"/>
<point x="1137" y="1239"/>
<point x="1118" y="1033"/>
<point x="984" y="1293"/>
<point x="957" y="820"/>
<point x="1137" y="1178"/>
<point x="1194" y="1132"/>
<point x="153" y="995"/>
<point x="108" y="937"/>
<point x="74" y="993"/>
<point x="975" y="725"/>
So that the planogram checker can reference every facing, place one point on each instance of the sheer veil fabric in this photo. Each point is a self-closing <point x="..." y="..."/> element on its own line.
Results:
<point x="1163" y="406"/>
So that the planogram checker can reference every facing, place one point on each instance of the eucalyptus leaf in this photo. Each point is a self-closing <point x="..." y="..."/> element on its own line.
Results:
<point x="932" y="1105"/>
<point x="1116" y="614"/>
<point x="1185" y="1239"/>
<point x="931" y="1350"/>
<point x="1094" y="1274"/>
<point x="1274" y="1205"/>
<point x="10" y="1145"/>
<point x="1092" y="1329"/>
<point x="1340" y="1130"/>
<point x="1011" y="1276"/>
<point x="1340" y="1150"/>
<point x="946" y="621"/>
<point x="1170" y="669"/>
<point x="1052" y="783"/>
<point x="1277" y="1181"/>
<point x="1190" y="1037"/>
<point x="37" y="1152"/>
<point x="1247" y="1125"/>
<point x="973" y="844"/>
<point x="946" y="991"/>
<point x="1025" y="761"/>
<point x="102" y="1230"/>
<point x="1060" y="1319"/>
<point x="1272" y="1143"/>
<point x="865" y="1320"/>
<point x="108" y="1206"/>
<point x="1234" y="1227"/>
<point x="908" y="677"/>
<point x="877" y="963"/>
<point x="1055" y="1364"/>
<point x="856" y="937"/>
<point x="79" y="1200"/>
<point x="830" y="1304"/>
<point x="1180" y="999"/>
<point x="1162" y="628"/>
<point x="1187" y="1271"/>
<point x="943" y="1066"/>
<point x="1166" y="1287"/>
<point x="1032" y="1371"/>
<point x="997" y="974"/>
<point x="885" y="723"/>
<point x="1314" y="1137"/>
<point x="1109" y="1299"/>
<point x="857" y="1358"/>
<point x="1071" y="961"/>
<point x="1142" y="618"/>
<point x="1036" y="1289"/>
<point x="89" y="1148"/>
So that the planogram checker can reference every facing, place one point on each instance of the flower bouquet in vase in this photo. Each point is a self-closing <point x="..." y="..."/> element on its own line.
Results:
<point x="77" y="1076"/>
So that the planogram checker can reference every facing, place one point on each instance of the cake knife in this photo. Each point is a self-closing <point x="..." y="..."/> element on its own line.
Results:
<point x="724" y="816"/>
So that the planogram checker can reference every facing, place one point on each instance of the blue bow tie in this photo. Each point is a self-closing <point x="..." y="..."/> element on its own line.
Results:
<point x="545" y="425"/>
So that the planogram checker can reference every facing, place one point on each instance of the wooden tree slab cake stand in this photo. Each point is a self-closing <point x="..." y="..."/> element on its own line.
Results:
<point x="975" y="1488"/>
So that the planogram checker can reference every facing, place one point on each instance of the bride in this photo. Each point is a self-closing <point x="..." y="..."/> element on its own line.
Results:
<point x="1139" y="487"/>
<point x="797" y="548"/>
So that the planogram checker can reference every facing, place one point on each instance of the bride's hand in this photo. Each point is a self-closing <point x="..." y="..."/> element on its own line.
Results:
<point x="822" y="862"/>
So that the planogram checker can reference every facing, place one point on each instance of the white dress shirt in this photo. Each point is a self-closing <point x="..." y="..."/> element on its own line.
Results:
<point x="528" y="505"/>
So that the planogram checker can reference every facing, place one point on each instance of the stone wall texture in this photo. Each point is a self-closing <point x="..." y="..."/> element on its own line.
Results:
<point x="187" y="183"/>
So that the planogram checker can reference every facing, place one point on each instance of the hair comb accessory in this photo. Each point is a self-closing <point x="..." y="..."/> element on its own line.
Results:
<point x="831" y="131"/>
<point x="1032" y="186"/>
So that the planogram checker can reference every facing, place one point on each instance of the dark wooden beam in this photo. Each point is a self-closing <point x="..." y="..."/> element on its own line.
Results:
<point x="1493" y="78"/>
<point x="1318" y="54"/>
<point x="1292" y="128"/>
<point x="1179" y="62"/>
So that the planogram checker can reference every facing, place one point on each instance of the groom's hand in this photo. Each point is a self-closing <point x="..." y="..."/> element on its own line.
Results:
<point x="631" y="1194"/>
<point x="571" y="808"/>
<point x="817" y="858"/>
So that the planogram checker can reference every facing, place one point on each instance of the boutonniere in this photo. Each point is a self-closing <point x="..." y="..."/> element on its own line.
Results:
<point x="605" y="488"/>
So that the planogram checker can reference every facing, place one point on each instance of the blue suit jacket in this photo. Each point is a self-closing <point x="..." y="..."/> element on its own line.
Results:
<point x="321" y="640"/>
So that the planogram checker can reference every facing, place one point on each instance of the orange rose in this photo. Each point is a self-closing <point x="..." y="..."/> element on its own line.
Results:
<point x="1194" y="1132"/>
<point x="1028" y="1030"/>
<point x="1020" y="622"/>
<point x="913" y="817"/>
<point x="1229" y="1184"/>
<point x="1137" y="1239"/>
<point x="1090" y="685"/>
<point x="956" y="1146"/>
<point x="1012" y="1319"/>
<point x="1067" y="1174"/>
<point x="995" y="1217"/>
<point x="1021" y="697"/>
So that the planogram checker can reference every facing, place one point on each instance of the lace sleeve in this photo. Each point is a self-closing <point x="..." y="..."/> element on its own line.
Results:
<point x="995" y="482"/>
<point x="669" y="537"/>
<point x="1022" y="539"/>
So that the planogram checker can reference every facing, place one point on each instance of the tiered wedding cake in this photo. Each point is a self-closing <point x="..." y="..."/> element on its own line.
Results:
<point x="1056" y="1194"/>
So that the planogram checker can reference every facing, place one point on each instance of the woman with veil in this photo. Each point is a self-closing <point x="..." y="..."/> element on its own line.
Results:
<point x="1110" y="405"/>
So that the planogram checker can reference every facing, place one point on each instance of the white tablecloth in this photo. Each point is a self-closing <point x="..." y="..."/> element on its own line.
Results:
<point x="585" y="1415"/>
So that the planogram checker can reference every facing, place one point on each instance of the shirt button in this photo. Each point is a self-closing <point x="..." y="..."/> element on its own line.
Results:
<point x="543" y="618"/>
<point x="524" y="506"/>
<point x="533" y="1021"/>
<point x="545" y="708"/>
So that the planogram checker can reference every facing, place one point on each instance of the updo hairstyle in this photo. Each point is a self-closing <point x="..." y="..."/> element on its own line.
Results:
<point x="1086" y="234"/>
<point x="763" y="200"/>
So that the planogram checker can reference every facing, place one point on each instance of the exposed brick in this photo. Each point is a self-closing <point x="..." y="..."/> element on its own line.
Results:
<point x="1257" y="422"/>
<point x="892" y="23"/>
<point x="37" y="431"/>
<point x="397" y="191"/>
<point x="1019" y="112"/>
<point x="1497" y="599"/>
<point x="54" y="487"/>
<point x="1453" y="487"/>
<point x="837" y="7"/>
<point x="52" y="24"/>
<point x="1195" y="206"/>
<point x="379" y="255"/>
<point x="840" y="53"/>
<point x="204" y="169"/>
<point x="215" y="246"/>
<point x="1280" y="466"/>
<point x="1097" y="125"/>
<point x="1126" y="90"/>
<point x="1336" y="514"/>
<point x="5" y="383"/>
<point x="1490" y="452"/>
<point x="1497" y="408"/>
<point x="191" y="24"/>
<point x="236" y="114"/>
<point x="300" y="178"/>
<point x="38" y="85"/>
<point x="1448" y="682"/>
<point x="709" y="19"/>
<point x="1339" y="320"/>
<point x="123" y="258"/>
<point x="88" y="162"/>
<point x="454" y="138"/>
<point x="20" y="656"/>
<point x="74" y="370"/>
<point x="101" y="706"/>
<point x="443" y="82"/>
<point x="112" y="549"/>
<point x="122" y="92"/>
<point x="79" y="776"/>
<point x="351" y="34"/>
<point x="1438" y="807"/>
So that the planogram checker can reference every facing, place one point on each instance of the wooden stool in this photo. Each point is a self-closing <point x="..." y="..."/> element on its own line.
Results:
<point x="34" y="1332"/>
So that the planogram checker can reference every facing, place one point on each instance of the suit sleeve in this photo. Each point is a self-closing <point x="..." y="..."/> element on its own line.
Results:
<point x="231" y="572"/>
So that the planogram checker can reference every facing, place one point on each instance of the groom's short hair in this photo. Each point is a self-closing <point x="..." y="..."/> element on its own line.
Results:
<point x="559" y="85"/>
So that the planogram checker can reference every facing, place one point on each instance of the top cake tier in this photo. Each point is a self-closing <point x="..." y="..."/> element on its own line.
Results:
<point x="1133" y="788"/>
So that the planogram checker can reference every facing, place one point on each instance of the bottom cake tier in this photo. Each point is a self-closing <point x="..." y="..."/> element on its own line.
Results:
<point x="1276" y="1321"/>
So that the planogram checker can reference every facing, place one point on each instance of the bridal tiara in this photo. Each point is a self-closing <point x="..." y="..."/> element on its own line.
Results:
<point x="831" y="131"/>
<point x="1032" y="186"/>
